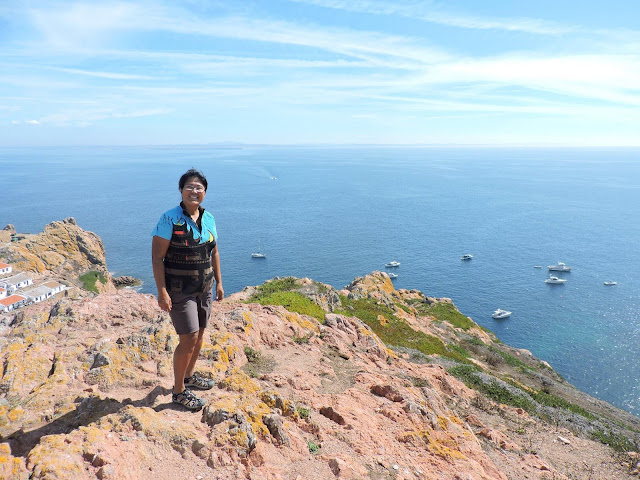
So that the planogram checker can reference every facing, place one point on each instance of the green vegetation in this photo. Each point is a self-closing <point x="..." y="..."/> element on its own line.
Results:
<point x="493" y="390"/>
<point x="420" y="382"/>
<point x="508" y="358"/>
<point x="557" y="402"/>
<point x="281" y="292"/>
<point x="501" y="394"/>
<point x="458" y="349"/>
<point x="618" y="442"/>
<point x="394" y="331"/>
<point x="303" y="340"/>
<point x="444" y="312"/>
<point x="474" y="341"/>
<point x="286" y="284"/>
<point x="404" y="307"/>
<point x="252" y="355"/>
<point x="294" y="302"/>
<point x="257" y="363"/>
<point x="303" y="412"/>
<point x="89" y="280"/>
<point x="313" y="447"/>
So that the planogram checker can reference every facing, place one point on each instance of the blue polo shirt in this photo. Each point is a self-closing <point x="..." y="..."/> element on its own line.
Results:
<point x="177" y="217"/>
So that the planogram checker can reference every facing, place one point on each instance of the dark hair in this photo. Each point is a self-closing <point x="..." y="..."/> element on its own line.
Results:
<point x="192" y="172"/>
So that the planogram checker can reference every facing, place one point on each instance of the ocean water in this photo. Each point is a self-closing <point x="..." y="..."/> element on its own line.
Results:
<point x="335" y="213"/>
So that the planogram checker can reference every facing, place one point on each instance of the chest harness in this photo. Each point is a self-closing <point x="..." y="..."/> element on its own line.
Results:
<point x="187" y="263"/>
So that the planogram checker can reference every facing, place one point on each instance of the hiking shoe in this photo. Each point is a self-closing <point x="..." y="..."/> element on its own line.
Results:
<point x="197" y="381"/>
<point x="188" y="400"/>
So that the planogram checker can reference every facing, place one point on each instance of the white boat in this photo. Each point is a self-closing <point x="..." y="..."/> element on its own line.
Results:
<point x="560" y="267"/>
<point x="259" y="253"/>
<point x="553" y="279"/>
<point x="499" y="313"/>
<point x="466" y="256"/>
<point x="537" y="266"/>
<point x="609" y="283"/>
<point x="392" y="264"/>
<point x="393" y="276"/>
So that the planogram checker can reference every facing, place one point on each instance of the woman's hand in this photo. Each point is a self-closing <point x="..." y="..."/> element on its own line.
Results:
<point x="219" y="292"/>
<point x="164" y="300"/>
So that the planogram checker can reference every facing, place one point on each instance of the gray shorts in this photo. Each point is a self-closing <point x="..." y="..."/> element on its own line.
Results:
<point x="190" y="313"/>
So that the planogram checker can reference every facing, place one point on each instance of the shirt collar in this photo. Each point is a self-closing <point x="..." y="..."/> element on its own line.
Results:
<point x="200" y="210"/>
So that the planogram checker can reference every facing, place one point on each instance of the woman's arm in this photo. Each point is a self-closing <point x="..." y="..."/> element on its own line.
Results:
<point x="215" y="263"/>
<point x="159" y="247"/>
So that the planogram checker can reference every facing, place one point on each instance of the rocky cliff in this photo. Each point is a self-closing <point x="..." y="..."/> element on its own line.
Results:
<point x="63" y="250"/>
<point x="312" y="383"/>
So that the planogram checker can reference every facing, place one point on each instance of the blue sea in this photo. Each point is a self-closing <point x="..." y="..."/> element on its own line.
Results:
<point x="335" y="213"/>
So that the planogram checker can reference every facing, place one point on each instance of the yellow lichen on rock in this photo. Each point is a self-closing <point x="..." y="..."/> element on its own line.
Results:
<point x="445" y="446"/>
<point x="238" y="381"/>
<point x="247" y="316"/>
<point x="154" y="425"/>
<point x="55" y="457"/>
<point x="383" y="320"/>
<point x="302" y="321"/>
<point x="15" y="413"/>
<point x="253" y="408"/>
<point x="11" y="467"/>
<point x="274" y="400"/>
<point x="443" y="422"/>
<point x="416" y="437"/>
<point x="27" y="364"/>
<point x="220" y="351"/>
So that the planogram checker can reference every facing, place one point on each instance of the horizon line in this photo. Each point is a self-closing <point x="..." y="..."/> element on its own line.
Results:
<point x="233" y="144"/>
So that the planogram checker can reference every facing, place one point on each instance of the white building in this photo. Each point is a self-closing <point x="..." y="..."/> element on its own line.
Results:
<point x="42" y="292"/>
<point x="56" y="287"/>
<point x="12" y="302"/>
<point x="3" y="292"/>
<point x="5" y="269"/>
<point x="11" y="284"/>
<point x="37" y="294"/>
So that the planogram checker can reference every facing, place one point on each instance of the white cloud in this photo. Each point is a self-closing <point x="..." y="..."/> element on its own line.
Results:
<point x="83" y="117"/>
<point x="25" y="122"/>
<point x="84" y="24"/>
<point x="109" y="75"/>
<point x="431" y="12"/>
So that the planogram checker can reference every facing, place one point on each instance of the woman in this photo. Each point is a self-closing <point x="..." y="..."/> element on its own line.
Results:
<point x="185" y="262"/>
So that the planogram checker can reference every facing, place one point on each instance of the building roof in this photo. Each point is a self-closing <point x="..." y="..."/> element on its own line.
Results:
<point x="20" y="277"/>
<point x="3" y="265"/>
<point x="54" y="284"/>
<point x="36" y="291"/>
<point x="12" y="299"/>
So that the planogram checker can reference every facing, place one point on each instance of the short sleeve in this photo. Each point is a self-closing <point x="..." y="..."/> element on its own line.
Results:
<point x="213" y="229"/>
<point x="164" y="228"/>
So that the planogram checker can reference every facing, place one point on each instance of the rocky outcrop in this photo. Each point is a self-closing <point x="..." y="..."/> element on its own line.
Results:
<point x="85" y="393"/>
<point x="6" y="233"/>
<point x="125" y="281"/>
<point x="63" y="249"/>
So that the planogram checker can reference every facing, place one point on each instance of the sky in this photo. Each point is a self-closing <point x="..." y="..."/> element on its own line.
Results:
<point x="491" y="72"/>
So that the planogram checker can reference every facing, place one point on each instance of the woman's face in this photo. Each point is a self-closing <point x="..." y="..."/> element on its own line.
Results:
<point x="193" y="192"/>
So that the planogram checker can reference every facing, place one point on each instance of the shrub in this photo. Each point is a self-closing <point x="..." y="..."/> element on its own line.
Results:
<point x="494" y="390"/>
<point x="251" y="354"/>
<point x="395" y="331"/>
<point x="303" y="412"/>
<point x="509" y="359"/>
<point x="89" y="280"/>
<point x="292" y="301"/>
<point x="618" y="442"/>
<point x="446" y="312"/>
<point x="302" y="340"/>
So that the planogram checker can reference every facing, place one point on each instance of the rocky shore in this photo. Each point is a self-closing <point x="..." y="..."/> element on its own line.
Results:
<point x="312" y="383"/>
